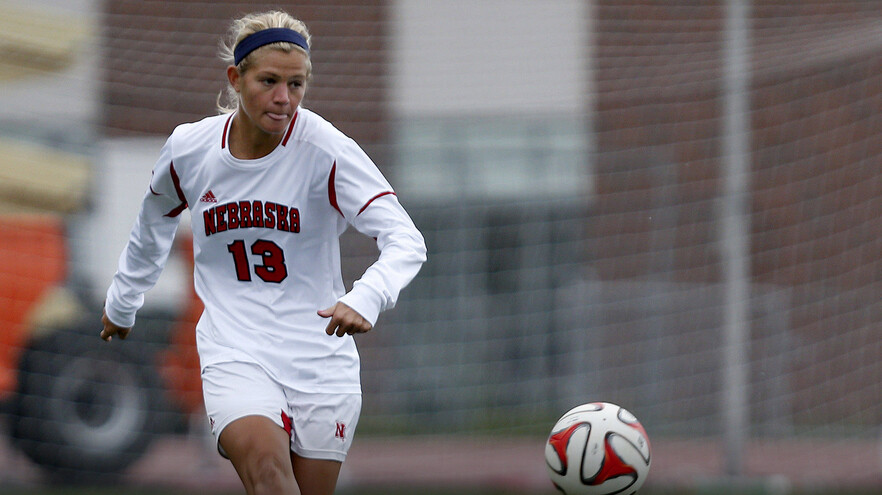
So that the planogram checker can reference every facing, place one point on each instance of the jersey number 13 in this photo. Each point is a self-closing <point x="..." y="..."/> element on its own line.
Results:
<point x="273" y="267"/>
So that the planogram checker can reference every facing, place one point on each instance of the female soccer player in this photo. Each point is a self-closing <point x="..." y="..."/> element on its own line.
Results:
<point x="270" y="187"/>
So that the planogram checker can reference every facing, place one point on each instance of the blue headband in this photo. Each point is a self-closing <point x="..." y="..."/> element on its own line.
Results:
<point x="265" y="37"/>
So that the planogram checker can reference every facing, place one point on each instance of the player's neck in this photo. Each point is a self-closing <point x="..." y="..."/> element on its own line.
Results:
<point x="249" y="142"/>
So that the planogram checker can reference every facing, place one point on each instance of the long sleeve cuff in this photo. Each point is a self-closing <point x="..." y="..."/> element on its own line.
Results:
<point x="121" y="316"/>
<point x="365" y="301"/>
<point x="125" y="320"/>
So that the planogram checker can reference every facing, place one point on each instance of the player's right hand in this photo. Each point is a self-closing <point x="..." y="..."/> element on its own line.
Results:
<point x="111" y="329"/>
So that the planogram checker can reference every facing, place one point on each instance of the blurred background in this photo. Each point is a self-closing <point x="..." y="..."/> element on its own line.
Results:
<point x="672" y="205"/>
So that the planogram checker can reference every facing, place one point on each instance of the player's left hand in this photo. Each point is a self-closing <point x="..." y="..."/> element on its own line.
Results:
<point x="344" y="320"/>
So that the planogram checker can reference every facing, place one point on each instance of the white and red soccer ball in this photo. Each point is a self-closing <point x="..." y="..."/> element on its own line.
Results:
<point x="598" y="449"/>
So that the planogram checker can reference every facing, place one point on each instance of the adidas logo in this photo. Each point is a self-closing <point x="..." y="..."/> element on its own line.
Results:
<point x="208" y="197"/>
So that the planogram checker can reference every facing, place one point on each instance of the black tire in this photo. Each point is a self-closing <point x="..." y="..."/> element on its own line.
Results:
<point x="85" y="407"/>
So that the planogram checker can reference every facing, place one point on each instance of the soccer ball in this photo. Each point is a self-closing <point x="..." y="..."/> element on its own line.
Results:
<point x="598" y="449"/>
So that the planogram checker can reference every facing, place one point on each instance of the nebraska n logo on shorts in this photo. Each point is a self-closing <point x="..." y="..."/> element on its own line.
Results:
<point x="341" y="431"/>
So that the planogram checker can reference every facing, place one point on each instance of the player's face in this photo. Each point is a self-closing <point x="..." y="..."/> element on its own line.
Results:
<point x="271" y="89"/>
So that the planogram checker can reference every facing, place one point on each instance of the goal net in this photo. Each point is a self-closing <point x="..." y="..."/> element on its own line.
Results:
<point x="566" y="163"/>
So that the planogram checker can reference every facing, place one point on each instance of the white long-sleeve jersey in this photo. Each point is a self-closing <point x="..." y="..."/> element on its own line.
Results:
<point x="266" y="246"/>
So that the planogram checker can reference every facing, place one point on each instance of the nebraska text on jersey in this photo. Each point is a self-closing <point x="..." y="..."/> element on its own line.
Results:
<point x="251" y="214"/>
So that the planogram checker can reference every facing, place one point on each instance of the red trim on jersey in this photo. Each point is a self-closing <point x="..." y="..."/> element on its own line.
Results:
<point x="372" y="200"/>
<point x="332" y="193"/>
<point x="287" y="424"/>
<point x="177" y="182"/>
<point x="177" y="211"/>
<point x="290" y="129"/>
<point x="332" y="190"/>
<point x="226" y="128"/>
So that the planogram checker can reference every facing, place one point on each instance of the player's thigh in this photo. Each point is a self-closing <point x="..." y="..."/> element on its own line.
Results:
<point x="258" y="449"/>
<point x="257" y="439"/>
<point x="315" y="476"/>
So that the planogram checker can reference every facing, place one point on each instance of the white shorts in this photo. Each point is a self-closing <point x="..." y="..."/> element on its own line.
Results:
<point x="320" y="425"/>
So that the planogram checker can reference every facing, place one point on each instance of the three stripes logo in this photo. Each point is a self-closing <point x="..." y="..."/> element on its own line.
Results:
<point x="208" y="197"/>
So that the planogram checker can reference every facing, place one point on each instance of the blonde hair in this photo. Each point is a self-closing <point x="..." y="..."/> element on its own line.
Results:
<point x="228" y="99"/>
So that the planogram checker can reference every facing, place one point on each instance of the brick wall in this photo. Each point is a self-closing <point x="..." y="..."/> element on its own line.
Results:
<point x="816" y="222"/>
<point x="816" y="228"/>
